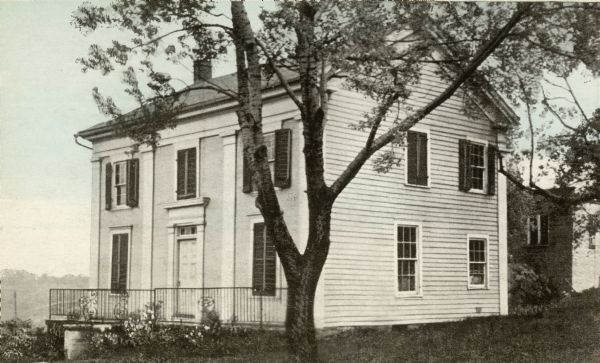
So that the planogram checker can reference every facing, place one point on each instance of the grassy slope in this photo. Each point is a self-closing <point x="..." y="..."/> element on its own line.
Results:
<point x="569" y="332"/>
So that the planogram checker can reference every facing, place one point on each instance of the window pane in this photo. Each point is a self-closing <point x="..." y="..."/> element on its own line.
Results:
<point x="477" y="261"/>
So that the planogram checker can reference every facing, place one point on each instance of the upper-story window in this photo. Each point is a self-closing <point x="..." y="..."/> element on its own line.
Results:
<point x="122" y="183"/>
<point x="186" y="173"/>
<point x="476" y="167"/>
<point x="279" y="146"/>
<point x="417" y="172"/>
<point x="537" y="230"/>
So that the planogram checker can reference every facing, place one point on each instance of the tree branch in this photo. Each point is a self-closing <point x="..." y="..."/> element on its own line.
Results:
<point x="482" y="54"/>
<point x="282" y="79"/>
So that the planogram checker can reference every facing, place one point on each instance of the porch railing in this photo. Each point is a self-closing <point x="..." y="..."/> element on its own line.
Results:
<point x="231" y="305"/>
<point x="97" y="304"/>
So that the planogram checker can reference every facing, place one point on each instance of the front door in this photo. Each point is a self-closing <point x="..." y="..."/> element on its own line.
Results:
<point x="187" y="277"/>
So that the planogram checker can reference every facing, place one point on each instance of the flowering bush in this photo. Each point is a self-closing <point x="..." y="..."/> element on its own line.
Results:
<point x="529" y="293"/>
<point x="18" y="341"/>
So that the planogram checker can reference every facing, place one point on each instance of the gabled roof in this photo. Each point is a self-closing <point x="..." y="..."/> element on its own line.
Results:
<point x="197" y="98"/>
<point x="490" y="102"/>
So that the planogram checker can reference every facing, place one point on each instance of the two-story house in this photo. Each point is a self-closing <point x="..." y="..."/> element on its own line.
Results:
<point x="178" y="226"/>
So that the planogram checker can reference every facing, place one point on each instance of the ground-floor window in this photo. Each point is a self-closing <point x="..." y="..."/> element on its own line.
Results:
<point x="477" y="262"/>
<point x="120" y="256"/>
<point x="264" y="262"/>
<point x="407" y="255"/>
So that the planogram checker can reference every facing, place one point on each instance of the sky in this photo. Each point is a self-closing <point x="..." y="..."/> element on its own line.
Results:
<point x="45" y="178"/>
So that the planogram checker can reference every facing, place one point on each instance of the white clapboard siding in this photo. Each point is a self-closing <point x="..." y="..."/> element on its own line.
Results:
<point x="360" y="274"/>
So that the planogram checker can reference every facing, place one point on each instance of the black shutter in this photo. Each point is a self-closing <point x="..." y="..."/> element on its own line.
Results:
<point x="123" y="262"/>
<point x="422" y="172"/>
<point x="258" y="260"/>
<point x="491" y="187"/>
<point x="464" y="165"/>
<point x="246" y="175"/>
<point x="544" y="230"/>
<point x="191" y="173"/>
<point x="180" y="173"/>
<point x="283" y="138"/>
<point x="133" y="181"/>
<point x="411" y="157"/>
<point x="270" y="266"/>
<point x="114" y="273"/>
<point x="108" y="187"/>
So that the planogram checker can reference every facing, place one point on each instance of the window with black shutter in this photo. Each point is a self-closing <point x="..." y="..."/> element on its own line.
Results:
<point x="417" y="172"/>
<point x="186" y="173"/>
<point x="263" y="262"/>
<point x="538" y="228"/>
<point x="279" y="144"/>
<point x="476" y="167"/>
<point x="118" y="277"/>
<point x="122" y="183"/>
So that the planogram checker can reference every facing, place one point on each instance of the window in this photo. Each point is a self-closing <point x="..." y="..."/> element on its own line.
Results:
<point x="407" y="258"/>
<point x="477" y="262"/>
<point x="476" y="167"/>
<point x="263" y="262"/>
<point x="417" y="172"/>
<point x="537" y="231"/>
<point x="592" y="242"/>
<point x="186" y="173"/>
<point x="118" y="276"/>
<point x="122" y="183"/>
<point x="279" y="146"/>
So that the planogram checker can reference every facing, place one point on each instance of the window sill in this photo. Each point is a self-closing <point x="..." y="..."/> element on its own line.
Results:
<point x="254" y="193"/>
<point x="408" y="295"/>
<point x="536" y="247"/>
<point x="190" y="202"/>
<point x="477" y="191"/>
<point x="120" y="207"/>
<point x="418" y="186"/>
<point x="471" y="287"/>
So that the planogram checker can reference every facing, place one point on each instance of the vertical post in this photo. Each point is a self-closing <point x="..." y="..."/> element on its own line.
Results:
<point x="261" y="311"/>
<point x="49" y="305"/>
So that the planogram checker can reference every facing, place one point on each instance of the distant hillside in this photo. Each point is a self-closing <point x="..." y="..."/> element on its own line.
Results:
<point x="32" y="293"/>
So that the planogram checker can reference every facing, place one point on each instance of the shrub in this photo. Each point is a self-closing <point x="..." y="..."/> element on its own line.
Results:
<point x="19" y="342"/>
<point x="529" y="292"/>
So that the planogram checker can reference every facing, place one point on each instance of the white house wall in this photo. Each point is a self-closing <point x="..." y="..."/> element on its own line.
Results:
<point x="213" y="133"/>
<point x="359" y="276"/>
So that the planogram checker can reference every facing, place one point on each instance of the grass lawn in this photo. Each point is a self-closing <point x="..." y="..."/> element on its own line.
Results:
<point x="568" y="332"/>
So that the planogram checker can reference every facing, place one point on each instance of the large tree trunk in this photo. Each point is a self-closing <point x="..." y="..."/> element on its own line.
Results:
<point x="302" y="285"/>
<point x="299" y="324"/>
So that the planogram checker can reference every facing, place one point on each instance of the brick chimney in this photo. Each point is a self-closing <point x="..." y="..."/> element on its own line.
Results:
<point x="202" y="70"/>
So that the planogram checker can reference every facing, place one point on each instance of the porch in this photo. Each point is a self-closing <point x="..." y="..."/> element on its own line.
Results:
<point x="232" y="305"/>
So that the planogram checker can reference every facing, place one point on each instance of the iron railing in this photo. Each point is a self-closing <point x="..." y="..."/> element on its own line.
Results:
<point x="97" y="304"/>
<point x="231" y="305"/>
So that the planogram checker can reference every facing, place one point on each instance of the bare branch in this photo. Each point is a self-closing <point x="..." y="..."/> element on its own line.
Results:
<point x="154" y="40"/>
<point x="576" y="100"/>
<point x="382" y="110"/>
<point x="282" y="79"/>
<point x="531" y="131"/>
<point x="554" y="112"/>
<point x="482" y="54"/>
